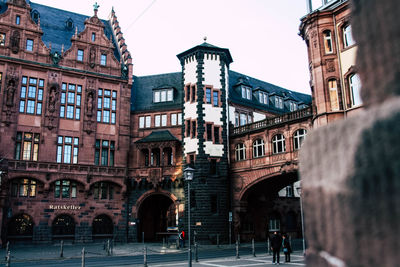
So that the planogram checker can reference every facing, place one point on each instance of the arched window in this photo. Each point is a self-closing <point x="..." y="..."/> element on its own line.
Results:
<point x="355" y="86"/>
<point x="258" y="148"/>
<point x="23" y="188"/>
<point x="240" y="152"/>
<point x="103" y="190"/>
<point x="298" y="138"/>
<point x="20" y="226"/>
<point x="278" y="144"/>
<point x="65" y="189"/>
<point x="333" y="94"/>
<point x="328" y="41"/>
<point x="348" y="36"/>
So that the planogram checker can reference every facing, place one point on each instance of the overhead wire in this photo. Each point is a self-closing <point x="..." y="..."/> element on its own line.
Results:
<point x="141" y="14"/>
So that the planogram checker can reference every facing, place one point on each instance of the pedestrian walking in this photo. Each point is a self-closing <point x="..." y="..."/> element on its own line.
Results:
<point x="276" y="244"/>
<point x="287" y="249"/>
<point x="182" y="239"/>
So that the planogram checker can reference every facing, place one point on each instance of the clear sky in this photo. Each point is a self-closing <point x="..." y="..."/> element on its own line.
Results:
<point x="262" y="35"/>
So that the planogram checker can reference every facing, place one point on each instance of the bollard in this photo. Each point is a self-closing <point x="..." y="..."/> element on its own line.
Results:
<point x="108" y="247"/>
<point x="83" y="257"/>
<point x="217" y="240"/>
<point x="62" y="248"/>
<point x="268" y="247"/>
<point x="253" y="247"/>
<point x="143" y="238"/>
<point x="145" y="256"/>
<point x="196" y="255"/>
<point x="8" y="246"/>
<point x="163" y="242"/>
<point x="238" y="239"/>
<point x="237" y="249"/>
<point x="8" y="259"/>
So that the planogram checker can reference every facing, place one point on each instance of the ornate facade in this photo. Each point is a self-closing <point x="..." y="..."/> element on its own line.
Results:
<point x="90" y="151"/>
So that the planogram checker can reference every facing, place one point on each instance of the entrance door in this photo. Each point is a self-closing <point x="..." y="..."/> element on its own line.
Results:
<point x="154" y="217"/>
<point x="63" y="227"/>
<point x="20" y="228"/>
<point x="102" y="227"/>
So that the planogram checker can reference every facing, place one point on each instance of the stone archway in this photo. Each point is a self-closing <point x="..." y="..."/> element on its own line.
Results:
<point x="102" y="227"/>
<point x="20" y="227"/>
<point x="260" y="201"/>
<point x="154" y="215"/>
<point x="63" y="227"/>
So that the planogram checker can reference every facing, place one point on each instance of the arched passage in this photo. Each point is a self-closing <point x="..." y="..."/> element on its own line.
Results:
<point x="63" y="227"/>
<point x="102" y="227"/>
<point x="155" y="213"/>
<point x="20" y="227"/>
<point x="269" y="206"/>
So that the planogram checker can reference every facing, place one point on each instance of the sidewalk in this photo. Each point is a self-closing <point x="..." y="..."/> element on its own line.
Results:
<point x="52" y="251"/>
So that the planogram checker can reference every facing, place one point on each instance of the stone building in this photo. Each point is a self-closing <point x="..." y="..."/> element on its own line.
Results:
<point x="90" y="151"/>
<point x="334" y="81"/>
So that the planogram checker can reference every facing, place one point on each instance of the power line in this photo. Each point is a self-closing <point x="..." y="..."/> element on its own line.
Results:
<point x="141" y="14"/>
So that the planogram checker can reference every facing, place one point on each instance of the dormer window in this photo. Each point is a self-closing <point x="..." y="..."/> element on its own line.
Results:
<point x="163" y="95"/>
<point x="263" y="97"/>
<point x="278" y="102"/>
<point x="69" y="24"/>
<point x="246" y="92"/>
<point x="35" y="16"/>
<point x="292" y="106"/>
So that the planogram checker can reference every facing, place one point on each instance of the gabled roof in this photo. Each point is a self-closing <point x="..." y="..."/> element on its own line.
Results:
<point x="53" y="22"/>
<point x="158" y="136"/>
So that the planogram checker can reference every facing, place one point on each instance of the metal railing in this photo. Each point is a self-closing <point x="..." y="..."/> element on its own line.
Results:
<point x="269" y="122"/>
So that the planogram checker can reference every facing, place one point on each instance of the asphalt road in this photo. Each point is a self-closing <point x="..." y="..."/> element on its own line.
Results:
<point x="216" y="258"/>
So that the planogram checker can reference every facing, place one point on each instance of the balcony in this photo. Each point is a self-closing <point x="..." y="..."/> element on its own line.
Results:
<point x="271" y="122"/>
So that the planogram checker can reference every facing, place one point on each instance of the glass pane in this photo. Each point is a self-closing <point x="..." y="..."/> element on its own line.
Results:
<point x="23" y="91"/>
<point x="22" y="106"/>
<point x="78" y="100"/>
<point x="40" y="94"/>
<point x="79" y="88"/>
<point x="107" y="92"/>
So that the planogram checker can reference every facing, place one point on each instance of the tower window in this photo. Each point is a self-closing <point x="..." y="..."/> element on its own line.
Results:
<point x="328" y="42"/>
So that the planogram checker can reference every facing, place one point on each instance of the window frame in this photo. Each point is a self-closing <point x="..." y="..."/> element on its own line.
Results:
<point x="71" y="101"/>
<point x="107" y="102"/>
<point x="328" y="44"/>
<point x="348" y="40"/>
<point x="240" y="152"/>
<point x="80" y="54"/>
<point x="22" y="152"/>
<point x="67" y="149"/>
<point x="258" y="148"/>
<point x="29" y="45"/>
<point x="333" y="93"/>
<point x="298" y="138"/>
<point x="28" y="186"/>
<point x="71" y="189"/>
<point x="355" y="94"/>
<point x="31" y="96"/>
<point x="278" y="144"/>
<point x="104" y="154"/>
<point x="103" y="59"/>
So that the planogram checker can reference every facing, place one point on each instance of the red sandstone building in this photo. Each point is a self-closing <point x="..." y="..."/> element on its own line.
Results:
<point x="90" y="151"/>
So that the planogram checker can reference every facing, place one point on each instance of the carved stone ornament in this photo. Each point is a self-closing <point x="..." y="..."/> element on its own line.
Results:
<point x="55" y="57"/>
<point x="330" y="66"/>
<point x="51" y="118"/>
<point x="11" y="85"/>
<point x="89" y="123"/>
<point x="14" y="41"/>
<point x="92" y="57"/>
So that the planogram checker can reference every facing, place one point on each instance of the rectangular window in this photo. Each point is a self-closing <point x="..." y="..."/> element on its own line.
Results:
<point x="18" y="20"/>
<point x="106" y="106"/>
<point x="248" y="93"/>
<point x="67" y="149"/>
<point x="188" y="126"/>
<point x="237" y="121"/>
<point x="71" y="95"/>
<point x="148" y="121"/>
<point x="187" y="93"/>
<point x="243" y="119"/>
<point x="141" y="122"/>
<point x="332" y="84"/>
<point x="163" y="95"/>
<point x="194" y="129"/>
<point x="93" y="36"/>
<point x="29" y="45"/>
<point x="104" y="152"/>
<point x="27" y="146"/>
<point x="179" y="118"/>
<point x="173" y="119"/>
<point x="193" y="93"/>
<point x="215" y="99"/>
<point x="31" y="96"/>
<point x="209" y="132"/>
<point x="103" y="59"/>
<point x="216" y="135"/>
<point x="164" y="120"/>
<point x="79" y="55"/>
<point x="2" y="39"/>
<point x="157" y="120"/>
<point x="208" y="95"/>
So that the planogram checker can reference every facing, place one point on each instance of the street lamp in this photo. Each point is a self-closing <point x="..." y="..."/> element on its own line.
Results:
<point x="298" y="189"/>
<point x="189" y="173"/>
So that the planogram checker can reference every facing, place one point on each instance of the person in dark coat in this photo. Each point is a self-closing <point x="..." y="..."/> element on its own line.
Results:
<point x="287" y="249"/>
<point x="276" y="243"/>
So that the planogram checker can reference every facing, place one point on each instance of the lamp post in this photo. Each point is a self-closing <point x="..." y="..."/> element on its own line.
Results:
<point x="189" y="173"/>
<point x="298" y="189"/>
